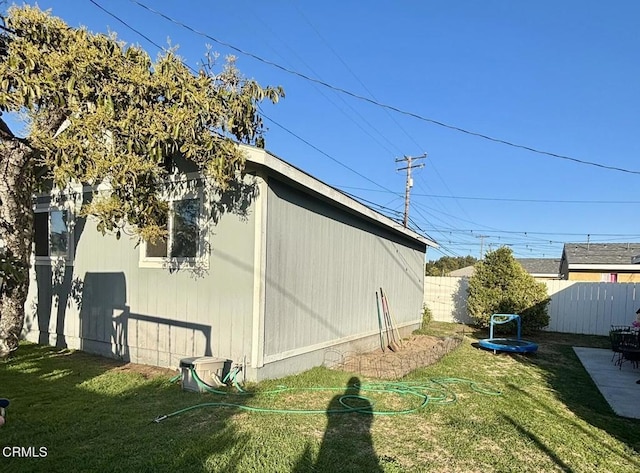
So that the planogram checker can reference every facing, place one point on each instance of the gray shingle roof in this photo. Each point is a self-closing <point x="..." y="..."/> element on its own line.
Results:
<point x="540" y="265"/>
<point x="600" y="253"/>
<point x="465" y="272"/>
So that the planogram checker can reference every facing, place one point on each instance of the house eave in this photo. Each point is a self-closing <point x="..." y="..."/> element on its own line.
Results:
<point x="605" y="267"/>
<point x="263" y="158"/>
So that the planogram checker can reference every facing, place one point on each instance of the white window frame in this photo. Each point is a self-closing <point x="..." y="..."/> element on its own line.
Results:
<point x="200" y="260"/>
<point x="67" y="258"/>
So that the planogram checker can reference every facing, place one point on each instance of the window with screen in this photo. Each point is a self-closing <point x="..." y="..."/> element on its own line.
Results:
<point x="52" y="234"/>
<point x="183" y="239"/>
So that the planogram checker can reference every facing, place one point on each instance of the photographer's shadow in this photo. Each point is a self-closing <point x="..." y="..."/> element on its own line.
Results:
<point x="347" y="445"/>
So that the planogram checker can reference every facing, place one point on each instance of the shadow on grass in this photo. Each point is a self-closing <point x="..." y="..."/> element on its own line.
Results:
<point x="596" y="405"/>
<point x="576" y="389"/>
<point x="95" y="414"/>
<point x="572" y="385"/>
<point x="539" y="443"/>
<point x="346" y="445"/>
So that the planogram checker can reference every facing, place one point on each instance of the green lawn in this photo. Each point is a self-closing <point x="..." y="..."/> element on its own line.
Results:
<point x="95" y="415"/>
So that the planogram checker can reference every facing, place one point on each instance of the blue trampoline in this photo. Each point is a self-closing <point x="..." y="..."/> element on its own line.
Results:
<point x="514" y="345"/>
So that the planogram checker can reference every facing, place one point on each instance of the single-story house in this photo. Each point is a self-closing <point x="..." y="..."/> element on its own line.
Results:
<point x="608" y="262"/>
<point x="273" y="275"/>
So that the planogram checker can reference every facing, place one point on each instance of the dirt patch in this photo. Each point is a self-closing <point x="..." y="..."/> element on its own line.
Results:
<point x="415" y="352"/>
<point x="146" y="371"/>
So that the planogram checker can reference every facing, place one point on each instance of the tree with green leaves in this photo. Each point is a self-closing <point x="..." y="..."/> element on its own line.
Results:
<point x="446" y="264"/>
<point x="101" y="112"/>
<point x="500" y="285"/>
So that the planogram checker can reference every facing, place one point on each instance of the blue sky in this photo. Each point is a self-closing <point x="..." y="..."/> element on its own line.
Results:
<point x="560" y="77"/>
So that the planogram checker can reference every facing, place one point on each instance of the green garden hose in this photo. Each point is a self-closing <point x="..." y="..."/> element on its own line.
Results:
<point x="434" y="390"/>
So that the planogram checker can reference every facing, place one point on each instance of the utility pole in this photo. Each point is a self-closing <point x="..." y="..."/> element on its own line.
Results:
<point x="482" y="237"/>
<point x="409" y="184"/>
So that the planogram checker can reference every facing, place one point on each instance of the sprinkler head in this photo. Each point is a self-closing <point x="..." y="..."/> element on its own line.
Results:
<point x="159" y="419"/>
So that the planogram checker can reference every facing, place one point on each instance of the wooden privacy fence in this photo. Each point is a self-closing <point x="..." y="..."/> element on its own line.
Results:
<point x="576" y="307"/>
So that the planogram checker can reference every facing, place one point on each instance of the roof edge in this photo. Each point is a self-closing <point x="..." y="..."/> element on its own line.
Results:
<point x="264" y="158"/>
<point x="625" y="267"/>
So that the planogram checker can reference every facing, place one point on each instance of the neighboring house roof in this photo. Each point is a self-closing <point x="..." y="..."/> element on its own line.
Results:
<point x="601" y="255"/>
<point x="310" y="184"/>
<point x="465" y="272"/>
<point x="541" y="267"/>
<point x="537" y="267"/>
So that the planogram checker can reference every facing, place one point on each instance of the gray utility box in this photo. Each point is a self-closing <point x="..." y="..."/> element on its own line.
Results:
<point x="209" y="370"/>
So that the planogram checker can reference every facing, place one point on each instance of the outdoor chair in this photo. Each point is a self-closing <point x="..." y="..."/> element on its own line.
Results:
<point x="616" y="335"/>
<point x="629" y="348"/>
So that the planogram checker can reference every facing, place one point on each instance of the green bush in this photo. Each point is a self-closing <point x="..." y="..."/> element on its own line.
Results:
<point x="427" y="316"/>
<point x="500" y="285"/>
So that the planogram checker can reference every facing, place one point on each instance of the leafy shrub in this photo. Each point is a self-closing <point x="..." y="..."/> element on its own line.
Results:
<point x="446" y="264"/>
<point x="427" y="316"/>
<point x="500" y="285"/>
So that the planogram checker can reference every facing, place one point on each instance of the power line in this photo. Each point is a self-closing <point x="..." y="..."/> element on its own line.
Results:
<point x="455" y="217"/>
<point x="371" y="181"/>
<point x="503" y="199"/>
<point x="261" y="111"/>
<point x="371" y="94"/>
<point x="377" y="103"/>
<point x="527" y="233"/>
<point x="397" y="214"/>
<point x="541" y="201"/>
<point x="530" y="237"/>
<point x="446" y="186"/>
<point x="127" y="25"/>
<point x="324" y="153"/>
<point x="339" y="96"/>
<point x="348" y="68"/>
<point x="533" y="239"/>
<point x="444" y="249"/>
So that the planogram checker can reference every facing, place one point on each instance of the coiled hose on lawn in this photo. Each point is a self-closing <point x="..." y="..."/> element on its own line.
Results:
<point x="433" y="390"/>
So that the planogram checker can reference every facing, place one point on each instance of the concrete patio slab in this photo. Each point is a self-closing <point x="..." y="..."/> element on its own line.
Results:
<point x="617" y="385"/>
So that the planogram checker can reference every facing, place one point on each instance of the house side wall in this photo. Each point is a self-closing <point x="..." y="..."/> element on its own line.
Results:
<point x="628" y="277"/>
<point x="107" y="304"/>
<point x="592" y="277"/>
<point x="323" y="269"/>
<point x="595" y="276"/>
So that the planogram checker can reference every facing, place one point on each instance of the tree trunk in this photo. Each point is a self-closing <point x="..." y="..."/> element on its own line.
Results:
<point x="16" y="237"/>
